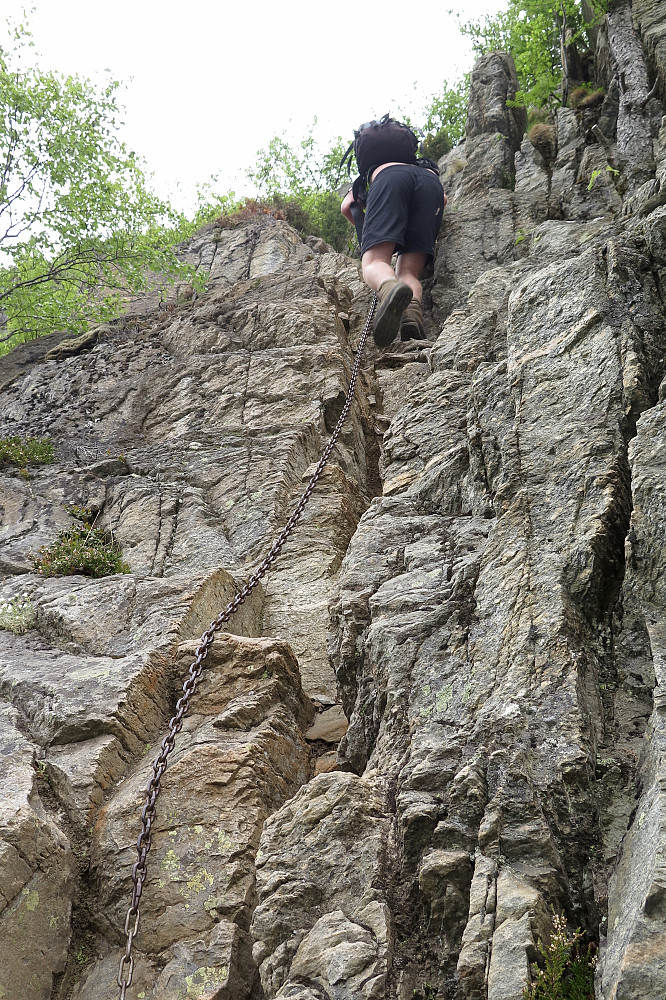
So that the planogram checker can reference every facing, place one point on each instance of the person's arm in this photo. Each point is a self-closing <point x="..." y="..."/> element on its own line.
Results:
<point x="345" y="207"/>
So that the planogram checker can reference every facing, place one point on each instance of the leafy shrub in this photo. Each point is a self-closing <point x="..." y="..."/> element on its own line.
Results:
<point x="284" y="169"/>
<point x="537" y="34"/>
<point x="564" y="971"/>
<point x="300" y="181"/>
<point x="324" y="219"/>
<point x="81" y="550"/>
<point x="17" y="615"/>
<point x="437" y="145"/>
<point x="315" y="213"/>
<point x="445" y="118"/>
<point x="22" y="452"/>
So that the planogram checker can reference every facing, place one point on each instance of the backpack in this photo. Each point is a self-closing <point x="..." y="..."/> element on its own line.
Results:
<point x="378" y="142"/>
<point x="374" y="143"/>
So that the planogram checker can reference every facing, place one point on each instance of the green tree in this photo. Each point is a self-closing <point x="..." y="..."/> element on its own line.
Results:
<point x="78" y="223"/>
<point x="304" y="168"/>
<point x="301" y="180"/>
<point x="445" y="116"/>
<point x="544" y="37"/>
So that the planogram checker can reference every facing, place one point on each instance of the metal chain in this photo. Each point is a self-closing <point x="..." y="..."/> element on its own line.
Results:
<point x="148" y="814"/>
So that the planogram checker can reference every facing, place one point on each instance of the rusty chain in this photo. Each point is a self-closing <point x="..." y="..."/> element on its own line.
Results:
<point x="148" y="814"/>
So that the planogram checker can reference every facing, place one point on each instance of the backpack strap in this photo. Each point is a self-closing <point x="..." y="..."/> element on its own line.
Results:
<point x="423" y="161"/>
<point x="347" y="158"/>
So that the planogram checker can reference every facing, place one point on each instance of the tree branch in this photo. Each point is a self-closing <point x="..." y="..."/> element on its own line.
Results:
<point x="70" y="270"/>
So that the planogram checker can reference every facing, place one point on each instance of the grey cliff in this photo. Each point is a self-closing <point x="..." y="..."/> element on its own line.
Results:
<point x="442" y="714"/>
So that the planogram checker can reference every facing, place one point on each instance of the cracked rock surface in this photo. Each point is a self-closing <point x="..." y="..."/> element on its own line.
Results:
<point x="441" y="715"/>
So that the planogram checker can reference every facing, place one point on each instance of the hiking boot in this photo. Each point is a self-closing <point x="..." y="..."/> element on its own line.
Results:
<point x="411" y="323"/>
<point x="392" y="299"/>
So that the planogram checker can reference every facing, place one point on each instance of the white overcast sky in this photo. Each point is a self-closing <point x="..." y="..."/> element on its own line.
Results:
<point x="209" y="83"/>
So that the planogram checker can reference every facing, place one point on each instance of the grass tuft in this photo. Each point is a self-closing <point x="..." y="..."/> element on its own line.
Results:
<point x="81" y="550"/>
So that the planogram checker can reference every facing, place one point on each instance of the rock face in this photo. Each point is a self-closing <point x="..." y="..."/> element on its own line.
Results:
<point x="471" y="609"/>
<point x="190" y="431"/>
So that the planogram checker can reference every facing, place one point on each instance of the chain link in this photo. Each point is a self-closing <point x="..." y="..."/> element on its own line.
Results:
<point x="149" y="812"/>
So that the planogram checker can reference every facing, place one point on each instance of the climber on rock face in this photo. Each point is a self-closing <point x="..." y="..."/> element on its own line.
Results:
<point x="396" y="204"/>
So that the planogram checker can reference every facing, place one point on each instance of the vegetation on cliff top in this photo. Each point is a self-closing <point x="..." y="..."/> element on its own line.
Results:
<point x="300" y="181"/>
<point x="551" y="44"/>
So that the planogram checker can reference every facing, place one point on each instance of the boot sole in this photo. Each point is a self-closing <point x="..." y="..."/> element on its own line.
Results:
<point x="387" y="324"/>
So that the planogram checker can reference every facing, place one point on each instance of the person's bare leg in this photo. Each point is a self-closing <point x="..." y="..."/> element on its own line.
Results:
<point x="376" y="265"/>
<point x="409" y="268"/>
<point x="395" y="297"/>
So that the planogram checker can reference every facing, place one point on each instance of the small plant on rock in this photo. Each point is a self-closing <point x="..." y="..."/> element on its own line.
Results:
<point x="81" y="550"/>
<point x="564" y="971"/>
<point x="427" y="992"/>
<point x="26" y="451"/>
<point x="17" y="614"/>
<point x="598" y="173"/>
<point x="586" y="96"/>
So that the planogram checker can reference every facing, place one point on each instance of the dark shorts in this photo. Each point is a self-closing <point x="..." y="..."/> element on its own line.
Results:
<point x="405" y="205"/>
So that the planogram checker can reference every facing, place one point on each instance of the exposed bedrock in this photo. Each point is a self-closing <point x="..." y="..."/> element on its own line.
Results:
<point x="476" y="630"/>
<point x="498" y="689"/>
<point x="440" y="716"/>
<point x="189" y="431"/>
<point x="634" y="960"/>
<point x="240" y="755"/>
